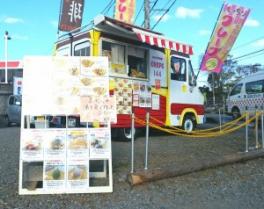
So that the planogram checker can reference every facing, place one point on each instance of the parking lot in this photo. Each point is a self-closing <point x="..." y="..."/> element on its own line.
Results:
<point x="232" y="186"/>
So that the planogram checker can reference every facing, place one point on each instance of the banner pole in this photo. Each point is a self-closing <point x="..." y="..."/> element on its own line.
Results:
<point x="58" y="29"/>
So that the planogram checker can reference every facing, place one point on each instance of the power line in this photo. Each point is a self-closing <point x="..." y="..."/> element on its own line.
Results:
<point x="164" y="14"/>
<point x="113" y="3"/>
<point x="155" y="11"/>
<point x="108" y="7"/>
<point x="142" y="6"/>
<point x="150" y="11"/>
<point x="153" y="6"/>
<point x="250" y="57"/>
<point x="248" y="54"/>
<point x="247" y="43"/>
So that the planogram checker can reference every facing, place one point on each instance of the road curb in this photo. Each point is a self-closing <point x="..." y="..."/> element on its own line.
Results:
<point x="143" y="176"/>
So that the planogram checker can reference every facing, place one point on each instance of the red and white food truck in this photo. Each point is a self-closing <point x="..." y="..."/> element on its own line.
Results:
<point x="148" y="73"/>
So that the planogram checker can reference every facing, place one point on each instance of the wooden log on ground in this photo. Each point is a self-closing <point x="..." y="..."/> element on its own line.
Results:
<point x="144" y="176"/>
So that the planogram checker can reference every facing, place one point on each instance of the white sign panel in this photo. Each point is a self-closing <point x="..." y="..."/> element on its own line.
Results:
<point x="157" y="65"/>
<point x="57" y="159"/>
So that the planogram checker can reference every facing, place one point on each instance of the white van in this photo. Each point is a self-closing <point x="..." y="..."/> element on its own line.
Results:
<point x="247" y="95"/>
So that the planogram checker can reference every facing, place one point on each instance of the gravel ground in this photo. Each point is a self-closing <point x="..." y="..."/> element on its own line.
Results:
<point x="233" y="186"/>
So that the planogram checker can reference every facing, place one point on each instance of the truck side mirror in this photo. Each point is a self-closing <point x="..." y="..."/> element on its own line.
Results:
<point x="18" y="103"/>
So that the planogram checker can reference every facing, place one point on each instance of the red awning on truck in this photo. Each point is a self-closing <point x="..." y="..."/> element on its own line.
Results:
<point x="162" y="42"/>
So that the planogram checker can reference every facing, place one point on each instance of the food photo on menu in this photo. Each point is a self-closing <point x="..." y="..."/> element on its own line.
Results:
<point x="57" y="143"/>
<point x="77" y="172"/>
<point x="54" y="172"/>
<point x="77" y="140"/>
<point x="33" y="144"/>
<point x="91" y="67"/>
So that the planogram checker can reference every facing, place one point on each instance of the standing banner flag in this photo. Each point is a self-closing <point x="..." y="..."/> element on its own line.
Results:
<point x="125" y="10"/>
<point x="230" y="21"/>
<point x="71" y="15"/>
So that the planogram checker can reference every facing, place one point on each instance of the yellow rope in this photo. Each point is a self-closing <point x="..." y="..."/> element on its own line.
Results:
<point x="199" y="134"/>
<point x="205" y="130"/>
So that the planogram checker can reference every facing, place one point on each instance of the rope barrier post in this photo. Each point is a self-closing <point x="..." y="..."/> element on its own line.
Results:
<point x="262" y="128"/>
<point x="220" y="119"/>
<point x="256" y="130"/>
<point x="246" y="132"/>
<point x="147" y="141"/>
<point x="132" y="141"/>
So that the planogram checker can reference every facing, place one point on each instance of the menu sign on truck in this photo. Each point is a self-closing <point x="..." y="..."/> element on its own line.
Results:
<point x="157" y="65"/>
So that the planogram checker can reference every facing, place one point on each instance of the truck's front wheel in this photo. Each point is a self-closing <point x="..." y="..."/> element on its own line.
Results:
<point x="188" y="124"/>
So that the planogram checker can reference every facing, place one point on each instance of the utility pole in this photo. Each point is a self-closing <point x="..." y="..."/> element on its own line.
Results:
<point x="147" y="11"/>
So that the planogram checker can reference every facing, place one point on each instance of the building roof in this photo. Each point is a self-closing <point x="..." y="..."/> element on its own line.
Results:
<point x="11" y="64"/>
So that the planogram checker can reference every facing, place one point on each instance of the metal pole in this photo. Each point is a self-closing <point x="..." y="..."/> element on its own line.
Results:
<point x="262" y="128"/>
<point x="213" y="89"/>
<point x="147" y="141"/>
<point x="246" y="132"/>
<point x="6" y="48"/>
<point x="132" y="142"/>
<point x="220" y="119"/>
<point x="256" y="129"/>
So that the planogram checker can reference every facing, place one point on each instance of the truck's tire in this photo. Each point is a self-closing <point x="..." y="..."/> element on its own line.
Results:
<point x="188" y="123"/>
<point x="235" y="113"/>
<point x="125" y="134"/>
<point x="8" y="123"/>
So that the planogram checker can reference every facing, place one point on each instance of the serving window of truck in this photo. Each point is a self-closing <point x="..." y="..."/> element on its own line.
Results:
<point x="126" y="60"/>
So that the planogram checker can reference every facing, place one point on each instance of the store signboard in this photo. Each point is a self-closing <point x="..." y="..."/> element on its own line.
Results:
<point x="17" y="85"/>
<point x="61" y="159"/>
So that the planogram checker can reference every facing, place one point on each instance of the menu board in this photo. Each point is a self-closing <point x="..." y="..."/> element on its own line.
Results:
<point x="58" y="159"/>
<point x="123" y="92"/>
<point x="141" y="94"/>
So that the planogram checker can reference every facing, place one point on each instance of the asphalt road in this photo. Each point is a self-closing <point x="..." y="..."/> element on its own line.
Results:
<point x="233" y="186"/>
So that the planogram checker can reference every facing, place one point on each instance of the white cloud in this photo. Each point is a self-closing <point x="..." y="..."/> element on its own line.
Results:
<point x="183" y="12"/>
<point x="54" y="23"/>
<point x="165" y="18"/>
<point x="19" y="37"/>
<point x="12" y="20"/>
<point x="259" y="43"/>
<point x="252" y="23"/>
<point x="204" y="32"/>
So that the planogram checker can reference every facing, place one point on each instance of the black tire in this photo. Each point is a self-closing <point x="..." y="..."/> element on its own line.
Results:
<point x="235" y="113"/>
<point x="8" y="123"/>
<point x="125" y="134"/>
<point x="189" y="123"/>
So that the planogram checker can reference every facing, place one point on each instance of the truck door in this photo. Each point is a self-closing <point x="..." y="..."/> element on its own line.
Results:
<point x="183" y="92"/>
<point x="178" y="87"/>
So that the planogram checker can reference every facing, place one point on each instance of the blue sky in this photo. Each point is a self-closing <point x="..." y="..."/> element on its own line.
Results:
<point x="32" y="25"/>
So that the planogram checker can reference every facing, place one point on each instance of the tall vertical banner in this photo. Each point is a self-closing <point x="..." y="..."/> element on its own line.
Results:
<point x="125" y="10"/>
<point x="228" y="26"/>
<point x="71" y="15"/>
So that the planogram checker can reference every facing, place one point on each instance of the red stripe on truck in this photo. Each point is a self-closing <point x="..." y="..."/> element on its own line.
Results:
<point x="176" y="109"/>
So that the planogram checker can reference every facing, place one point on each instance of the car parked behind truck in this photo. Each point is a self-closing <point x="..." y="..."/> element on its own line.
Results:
<point x="247" y="95"/>
<point x="13" y="110"/>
